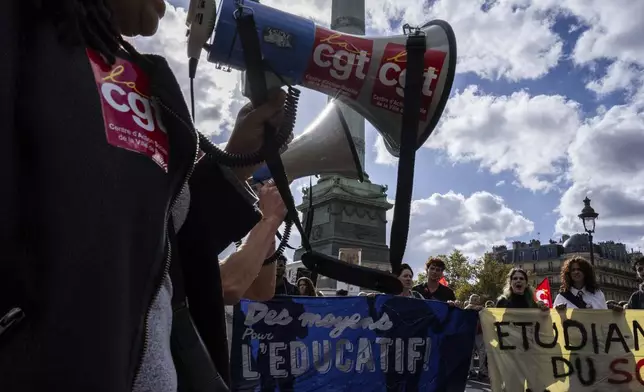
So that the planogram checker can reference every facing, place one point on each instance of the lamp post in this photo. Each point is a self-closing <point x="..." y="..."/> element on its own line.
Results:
<point x="588" y="216"/>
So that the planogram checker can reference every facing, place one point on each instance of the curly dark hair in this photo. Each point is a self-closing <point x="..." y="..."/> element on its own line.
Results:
<point x="590" y="282"/>
<point x="636" y="261"/>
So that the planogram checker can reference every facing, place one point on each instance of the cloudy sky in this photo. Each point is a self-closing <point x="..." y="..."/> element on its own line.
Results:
<point x="547" y="107"/>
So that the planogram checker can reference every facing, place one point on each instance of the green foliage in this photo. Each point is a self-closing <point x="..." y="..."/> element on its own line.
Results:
<point x="484" y="276"/>
<point x="491" y="277"/>
<point x="421" y="277"/>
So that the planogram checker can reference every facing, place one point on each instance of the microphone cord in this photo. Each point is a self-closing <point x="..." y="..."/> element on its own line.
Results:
<point x="248" y="159"/>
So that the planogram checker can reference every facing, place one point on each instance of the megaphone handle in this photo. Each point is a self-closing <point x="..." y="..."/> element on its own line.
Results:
<point x="259" y="95"/>
<point x="416" y="47"/>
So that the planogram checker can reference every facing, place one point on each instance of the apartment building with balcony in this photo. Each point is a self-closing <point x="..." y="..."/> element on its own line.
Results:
<point x="612" y="262"/>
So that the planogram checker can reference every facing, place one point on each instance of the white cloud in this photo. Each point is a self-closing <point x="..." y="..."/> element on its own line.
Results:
<point x="471" y="224"/>
<point x="524" y="134"/>
<point x="217" y="93"/>
<point x="383" y="157"/>
<point x="607" y="165"/>
<point x="541" y="139"/>
<point x="500" y="183"/>
<point x="512" y="40"/>
<point x="613" y="32"/>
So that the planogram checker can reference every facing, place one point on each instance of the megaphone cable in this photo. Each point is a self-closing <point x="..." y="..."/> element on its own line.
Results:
<point x="319" y="263"/>
<point x="225" y="158"/>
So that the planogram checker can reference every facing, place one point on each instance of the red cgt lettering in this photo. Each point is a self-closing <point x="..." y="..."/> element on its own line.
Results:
<point x="389" y="87"/>
<point x="339" y="63"/>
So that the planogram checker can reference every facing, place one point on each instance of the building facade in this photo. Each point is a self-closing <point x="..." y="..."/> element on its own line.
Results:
<point x="613" y="268"/>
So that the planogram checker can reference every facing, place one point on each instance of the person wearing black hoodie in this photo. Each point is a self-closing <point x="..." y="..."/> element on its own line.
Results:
<point x="97" y="148"/>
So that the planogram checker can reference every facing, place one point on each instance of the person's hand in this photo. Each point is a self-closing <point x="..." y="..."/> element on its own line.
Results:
<point x="271" y="204"/>
<point x="248" y="134"/>
<point x="542" y="305"/>
<point x="560" y="307"/>
<point x="616" y="307"/>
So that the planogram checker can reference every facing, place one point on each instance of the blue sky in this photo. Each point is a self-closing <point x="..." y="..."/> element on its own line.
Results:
<point x="547" y="107"/>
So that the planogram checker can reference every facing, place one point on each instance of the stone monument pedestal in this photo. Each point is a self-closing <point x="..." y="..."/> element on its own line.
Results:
<point x="348" y="214"/>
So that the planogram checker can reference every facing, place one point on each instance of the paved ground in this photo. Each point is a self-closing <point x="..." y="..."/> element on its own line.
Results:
<point x="475" y="386"/>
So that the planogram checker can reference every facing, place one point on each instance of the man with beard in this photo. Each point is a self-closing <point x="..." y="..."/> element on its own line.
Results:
<point x="282" y="285"/>
<point x="433" y="289"/>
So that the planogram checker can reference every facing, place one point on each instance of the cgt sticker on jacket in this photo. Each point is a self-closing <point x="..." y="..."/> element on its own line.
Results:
<point x="131" y="120"/>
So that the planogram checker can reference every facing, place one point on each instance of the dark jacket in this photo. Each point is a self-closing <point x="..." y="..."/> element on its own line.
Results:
<point x="286" y="288"/>
<point x="514" y="302"/>
<point x="636" y="301"/>
<point x="84" y="224"/>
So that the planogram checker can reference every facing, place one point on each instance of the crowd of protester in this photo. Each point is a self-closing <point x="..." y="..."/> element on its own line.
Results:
<point x="579" y="290"/>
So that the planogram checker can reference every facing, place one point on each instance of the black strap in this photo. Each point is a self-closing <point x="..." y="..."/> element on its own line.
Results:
<point x="259" y="95"/>
<point x="575" y="300"/>
<point x="416" y="47"/>
<point x="331" y="267"/>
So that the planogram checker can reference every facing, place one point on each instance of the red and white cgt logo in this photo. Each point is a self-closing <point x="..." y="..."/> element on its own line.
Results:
<point x="131" y="119"/>
<point x="339" y="63"/>
<point x="389" y="87"/>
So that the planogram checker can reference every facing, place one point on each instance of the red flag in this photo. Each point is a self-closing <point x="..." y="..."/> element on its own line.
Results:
<point x="443" y="281"/>
<point x="542" y="292"/>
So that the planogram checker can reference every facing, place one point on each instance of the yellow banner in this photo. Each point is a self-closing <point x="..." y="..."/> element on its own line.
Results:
<point x="572" y="350"/>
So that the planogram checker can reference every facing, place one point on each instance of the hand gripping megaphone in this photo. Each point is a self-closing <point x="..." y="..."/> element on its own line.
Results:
<point x="376" y="77"/>
<point x="325" y="147"/>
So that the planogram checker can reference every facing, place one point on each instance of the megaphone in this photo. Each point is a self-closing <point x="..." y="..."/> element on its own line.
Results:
<point x="325" y="147"/>
<point x="365" y="73"/>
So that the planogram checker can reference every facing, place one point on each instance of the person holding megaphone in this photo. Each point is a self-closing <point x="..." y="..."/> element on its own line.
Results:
<point x="98" y="148"/>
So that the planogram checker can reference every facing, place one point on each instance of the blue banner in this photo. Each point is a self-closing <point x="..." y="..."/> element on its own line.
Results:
<point x="382" y="343"/>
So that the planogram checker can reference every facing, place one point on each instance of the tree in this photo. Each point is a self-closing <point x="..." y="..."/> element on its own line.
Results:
<point x="421" y="278"/>
<point x="485" y="277"/>
<point x="459" y="272"/>
<point x="491" y="277"/>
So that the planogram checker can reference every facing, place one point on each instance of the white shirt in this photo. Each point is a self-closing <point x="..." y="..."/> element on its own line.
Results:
<point x="596" y="300"/>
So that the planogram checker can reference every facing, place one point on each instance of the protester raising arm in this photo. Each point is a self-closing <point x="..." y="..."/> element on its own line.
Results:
<point x="242" y="273"/>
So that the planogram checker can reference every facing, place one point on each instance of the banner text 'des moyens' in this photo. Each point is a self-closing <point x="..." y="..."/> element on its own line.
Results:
<point x="384" y="343"/>
<point x="572" y="350"/>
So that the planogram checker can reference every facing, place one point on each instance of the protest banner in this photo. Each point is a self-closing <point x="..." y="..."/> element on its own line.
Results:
<point x="571" y="350"/>
<point x="381" y="343"/>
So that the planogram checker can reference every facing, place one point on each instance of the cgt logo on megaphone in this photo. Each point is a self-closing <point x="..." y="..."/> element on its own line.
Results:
<point x="389" y="87"/>
<point x="339" y="64"/>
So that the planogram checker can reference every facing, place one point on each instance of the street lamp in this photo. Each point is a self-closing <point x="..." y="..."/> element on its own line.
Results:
<point x="588" y="216"/>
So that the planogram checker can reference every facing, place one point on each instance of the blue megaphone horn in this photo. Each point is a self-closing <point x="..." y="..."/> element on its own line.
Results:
<point x="366" y="73"/>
